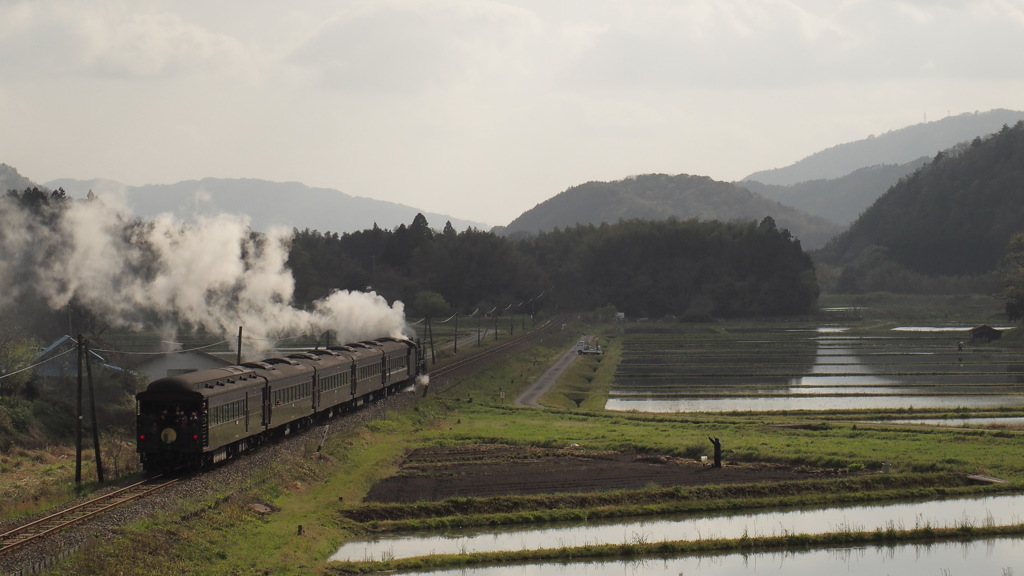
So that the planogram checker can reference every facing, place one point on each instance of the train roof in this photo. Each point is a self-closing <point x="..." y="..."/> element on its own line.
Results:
<point x="201" y="380"/>
<point x="386" y="344"/>
<point x="205" y="381"/>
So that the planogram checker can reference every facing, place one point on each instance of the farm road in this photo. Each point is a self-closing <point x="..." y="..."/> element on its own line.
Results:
<point x="548" y="378"/>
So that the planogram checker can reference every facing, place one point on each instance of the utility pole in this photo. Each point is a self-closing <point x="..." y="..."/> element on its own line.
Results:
<point x="239" y="356"/>
<point x="78" y="419"/>
<point x="455" y="347"/>
<point x="95" y="424"/>
<point x="430" y="335"/>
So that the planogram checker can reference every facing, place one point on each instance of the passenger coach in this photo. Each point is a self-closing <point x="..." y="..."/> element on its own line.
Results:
<point x="205" y="417"/>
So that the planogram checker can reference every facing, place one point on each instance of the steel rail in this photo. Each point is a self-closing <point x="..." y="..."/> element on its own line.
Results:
<point x="58" y="521"/>
<point x="451" y="367"/>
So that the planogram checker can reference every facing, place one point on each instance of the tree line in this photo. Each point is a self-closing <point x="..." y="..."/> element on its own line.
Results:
<point x="688" y="269"/>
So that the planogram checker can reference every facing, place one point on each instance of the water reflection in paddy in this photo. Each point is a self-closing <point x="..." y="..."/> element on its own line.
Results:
<point x="824" y="369"/>
<point x="991" y="511"/>
<point x="959" y="422"/>
<point x="761" y="403"/>
<point x="995" y="557"/>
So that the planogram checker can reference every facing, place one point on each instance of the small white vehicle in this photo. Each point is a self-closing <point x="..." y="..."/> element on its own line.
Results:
<point x="584" y="347"/>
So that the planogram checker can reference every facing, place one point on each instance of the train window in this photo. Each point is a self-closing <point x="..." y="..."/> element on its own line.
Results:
<point x="227" y="412"/>
<point x="171" y="414"/>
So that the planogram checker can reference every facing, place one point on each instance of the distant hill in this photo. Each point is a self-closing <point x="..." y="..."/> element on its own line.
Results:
<point x="952" y="217"/>
<point x="895" y="147"/>
<point x="661" y="196"/>
<point x="289" y="204"/>
<point x="10" y="179"/>
<point x="840" y="199"/>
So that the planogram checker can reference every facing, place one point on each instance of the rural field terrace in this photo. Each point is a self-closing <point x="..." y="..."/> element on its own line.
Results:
<point x="904" y="370"/>
<point x="807" y="367"/>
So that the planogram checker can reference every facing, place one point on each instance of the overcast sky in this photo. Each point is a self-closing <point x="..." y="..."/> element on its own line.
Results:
<point x="481" y="109"/>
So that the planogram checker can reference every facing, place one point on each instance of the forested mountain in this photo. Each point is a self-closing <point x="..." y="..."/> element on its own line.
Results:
<point x="894" y="147"/>
<point x="953" y="217"/>
<point x="840" y="200"/>
<point x="288" y="204"/>
<point x="660" y="196"/>
<point x="10" y="179"/>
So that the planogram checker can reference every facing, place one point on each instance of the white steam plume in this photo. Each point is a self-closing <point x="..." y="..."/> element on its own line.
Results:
<point x="215" y="274"/>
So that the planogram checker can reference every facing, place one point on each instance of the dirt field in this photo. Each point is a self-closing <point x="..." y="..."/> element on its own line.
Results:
<point x="491" y="470"/>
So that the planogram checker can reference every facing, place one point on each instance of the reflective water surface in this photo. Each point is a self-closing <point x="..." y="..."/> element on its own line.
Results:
<point x="962" y="422"/>
<point x="823" y="368"/>
<point x="996" y="557"/>
<point x="991" y="511"/>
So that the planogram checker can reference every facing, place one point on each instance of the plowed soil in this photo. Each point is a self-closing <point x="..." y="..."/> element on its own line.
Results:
<point x="493" y="470"/>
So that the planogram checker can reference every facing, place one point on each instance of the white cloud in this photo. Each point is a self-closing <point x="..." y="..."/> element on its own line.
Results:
<point x="391" y="47"/>
<point x="480" y="108"/>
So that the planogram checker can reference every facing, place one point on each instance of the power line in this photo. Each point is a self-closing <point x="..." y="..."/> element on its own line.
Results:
<point x="25" y="369"/>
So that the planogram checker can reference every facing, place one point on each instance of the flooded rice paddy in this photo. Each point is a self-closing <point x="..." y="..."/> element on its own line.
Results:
<point x="783" y="368"/>
<point x="990" y="511"/>
<point x="995" y="557"/>
<point x="814" y="368"/>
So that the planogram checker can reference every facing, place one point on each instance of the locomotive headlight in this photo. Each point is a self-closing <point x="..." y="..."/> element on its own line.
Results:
<point x="168" y="436"/>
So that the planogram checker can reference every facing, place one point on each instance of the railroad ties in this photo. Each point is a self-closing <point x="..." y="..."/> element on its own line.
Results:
<point x="58" y="521"/>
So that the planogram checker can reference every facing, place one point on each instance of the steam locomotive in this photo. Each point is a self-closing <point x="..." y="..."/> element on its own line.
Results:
<point x="201" y="418"/>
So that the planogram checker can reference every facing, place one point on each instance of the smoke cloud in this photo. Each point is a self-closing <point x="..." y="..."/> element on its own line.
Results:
<point x="215" y="274"/>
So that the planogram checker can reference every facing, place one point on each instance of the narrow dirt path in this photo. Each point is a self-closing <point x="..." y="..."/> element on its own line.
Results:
<point x="548" y="378"/>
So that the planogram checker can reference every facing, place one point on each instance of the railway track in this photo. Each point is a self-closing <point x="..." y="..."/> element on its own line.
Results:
<point x="25" y="536"/>
<point x="460" y="366"/>
<point x="27" y="533"/>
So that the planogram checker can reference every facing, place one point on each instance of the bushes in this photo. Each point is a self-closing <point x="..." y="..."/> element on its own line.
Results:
<point x="15" y="416"/>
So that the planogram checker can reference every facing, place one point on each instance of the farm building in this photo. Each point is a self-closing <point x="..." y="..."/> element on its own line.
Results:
<point x="60" y="360"/>
<point x="984" y="333"/>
